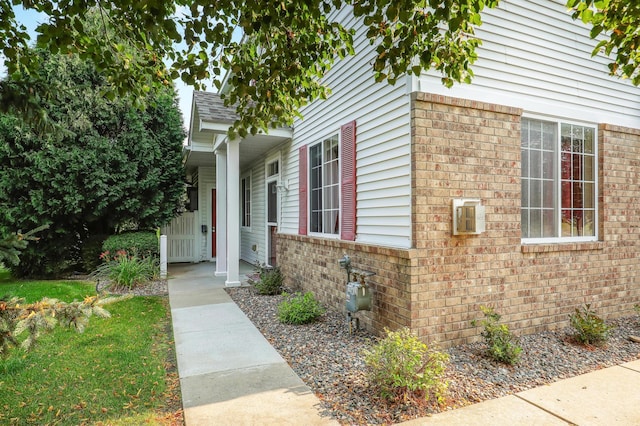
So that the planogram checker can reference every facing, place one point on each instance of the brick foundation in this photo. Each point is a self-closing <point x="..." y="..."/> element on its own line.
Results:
<point x="311" y="264"/>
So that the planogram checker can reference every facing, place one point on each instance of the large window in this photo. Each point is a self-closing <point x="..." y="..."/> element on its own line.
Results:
<point x="324" y="186"/>
<point x="558" y="181"/>
<point x="245" y="188"/>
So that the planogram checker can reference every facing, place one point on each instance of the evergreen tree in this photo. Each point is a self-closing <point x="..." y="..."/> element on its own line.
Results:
<point x="100" y="163"/>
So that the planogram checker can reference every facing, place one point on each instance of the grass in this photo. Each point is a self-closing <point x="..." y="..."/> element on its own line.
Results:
<point x="118" y="372"/>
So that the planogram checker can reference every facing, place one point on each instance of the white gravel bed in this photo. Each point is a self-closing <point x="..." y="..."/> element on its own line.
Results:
<point x="330" y="362"/>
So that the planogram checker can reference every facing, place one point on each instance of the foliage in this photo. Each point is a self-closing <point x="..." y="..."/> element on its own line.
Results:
<point x="299" y="309"/>
<point x="278" y="67"/>
<point x="286" y="50"/>
<point x="116" y="372"/>
<point x="270" y="282"/>
<point x="615" y="23"/>
<point x="91" y="251"/>
<point x="143" y="243"/>
<point x="126" y="270"/>
<point x="589" y="328"/>
<point x="18" y="317"/>
<point x="111" y="164"/>
<point x="401" y="366"/>
<point x="502" y="344"/>
<point x="13" y="244"/>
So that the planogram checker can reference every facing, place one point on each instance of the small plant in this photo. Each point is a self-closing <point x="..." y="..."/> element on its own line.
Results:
<point x="502" y="344"/>
<point x="126" y="271"/>
<point x="589" y="328"/>
<point x="299" y="309"/>
<point x="270" y="282"/>
<point x="636" y="307"/>
<point x="401" y="366"/>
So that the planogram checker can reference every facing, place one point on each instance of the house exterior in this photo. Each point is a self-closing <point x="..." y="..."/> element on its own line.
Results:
<point x="543" y="140"/>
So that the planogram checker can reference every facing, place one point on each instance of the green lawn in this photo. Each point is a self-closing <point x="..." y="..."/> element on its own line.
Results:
<point x="119" y="371"/>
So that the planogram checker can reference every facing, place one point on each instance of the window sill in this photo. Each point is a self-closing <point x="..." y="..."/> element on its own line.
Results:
<point x="550" y="248"/>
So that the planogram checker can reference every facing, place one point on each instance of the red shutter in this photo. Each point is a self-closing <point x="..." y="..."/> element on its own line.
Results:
<point x="348" y="181"/>
<point x="302" y="199"/>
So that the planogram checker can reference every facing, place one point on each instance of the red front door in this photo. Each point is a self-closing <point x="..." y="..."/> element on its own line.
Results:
<point x="213" y="223"/>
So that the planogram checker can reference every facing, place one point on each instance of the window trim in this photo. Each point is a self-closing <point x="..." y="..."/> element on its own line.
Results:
<point x="559" y="121"/>
<point x="335" y="134"/>
<point x="243" y="202"/>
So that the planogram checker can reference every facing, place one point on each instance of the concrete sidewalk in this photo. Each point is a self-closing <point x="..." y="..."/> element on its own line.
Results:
<point x="610" y="396"/>
<point x="230" y="374"/>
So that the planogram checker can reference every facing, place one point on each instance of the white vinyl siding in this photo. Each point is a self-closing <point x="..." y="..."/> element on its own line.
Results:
<point x="383" y="159"/>
<point x="535" y="57"/>
<point x="254" y="236"/>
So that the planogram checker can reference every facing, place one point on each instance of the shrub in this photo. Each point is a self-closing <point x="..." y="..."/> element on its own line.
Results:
<point x="270" y="282"/>
<point x="91" y="250"/>
<point x="589" y="328"/>
<point x="127" y="271"/>
<point x="143" y="244"/>
<point x="299" y="309"/>
<point x="502" y="344"/>
<point x="402" y="366"/>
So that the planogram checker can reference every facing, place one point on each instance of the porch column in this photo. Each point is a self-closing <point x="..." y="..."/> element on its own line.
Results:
<point x="233" y="213"/>
<point x="221" y="213"/>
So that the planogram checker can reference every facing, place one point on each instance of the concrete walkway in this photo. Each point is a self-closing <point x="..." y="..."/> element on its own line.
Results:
<point x="231" y="375"/>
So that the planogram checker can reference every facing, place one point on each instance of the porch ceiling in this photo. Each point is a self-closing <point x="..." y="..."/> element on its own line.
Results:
<point x="252" y="148"/>
<point x="210" y="120"/>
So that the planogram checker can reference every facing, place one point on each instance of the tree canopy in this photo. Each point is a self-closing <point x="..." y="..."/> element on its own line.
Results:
<point x="617" y="25"/>
<point x="287" y="46"/>
<point x="109" y="163"/>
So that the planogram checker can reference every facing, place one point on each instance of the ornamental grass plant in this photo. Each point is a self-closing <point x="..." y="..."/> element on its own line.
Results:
<point x="126" y="270"/>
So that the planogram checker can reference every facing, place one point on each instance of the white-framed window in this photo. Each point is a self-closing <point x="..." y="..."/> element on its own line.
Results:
<point x="245" y="195"/>
<point x="559" y="181"/>
<point x="324" y="187"/>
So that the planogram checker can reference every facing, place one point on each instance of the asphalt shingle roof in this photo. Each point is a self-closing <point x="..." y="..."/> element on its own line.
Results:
<point x="211" y="108"/>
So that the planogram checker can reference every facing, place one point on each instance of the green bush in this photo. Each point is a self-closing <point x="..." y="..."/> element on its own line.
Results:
<point x="502" y="345"/>
<point x="91" y="250"/>
<point x="270" y="282"/>
<point x="401" y="366"/>
<point x="589" y="328"/>
<point x="142" y="243"/>
<point x="127" y="271"/>
<point x="299" y="309"/>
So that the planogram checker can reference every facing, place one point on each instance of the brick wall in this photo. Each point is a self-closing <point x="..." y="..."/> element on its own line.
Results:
<point x="467" y="149"/>
<point x="311" y="264"/>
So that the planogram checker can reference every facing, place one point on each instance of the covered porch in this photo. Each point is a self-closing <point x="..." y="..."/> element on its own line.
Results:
<point x="210" y="150"/>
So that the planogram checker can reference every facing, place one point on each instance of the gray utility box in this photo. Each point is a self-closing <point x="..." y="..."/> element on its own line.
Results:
<point x="358" y="297"/>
